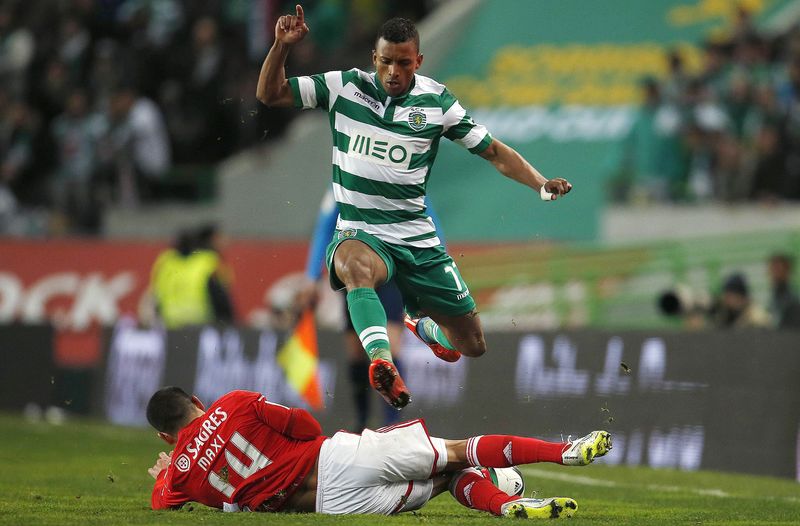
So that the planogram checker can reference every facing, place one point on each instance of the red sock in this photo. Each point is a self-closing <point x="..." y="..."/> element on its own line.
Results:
<point x="473" y="491"/>
<point x="502" y="451"/>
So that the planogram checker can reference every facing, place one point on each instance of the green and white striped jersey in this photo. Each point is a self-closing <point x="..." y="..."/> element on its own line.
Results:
<point x="384" y="148"/>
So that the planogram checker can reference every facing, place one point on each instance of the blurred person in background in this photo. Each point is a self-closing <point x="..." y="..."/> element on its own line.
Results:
<point x="767" y="176"/>
<point x="698" y="177"/>
<point x="8" y="210"/>
<point x="74" y="48"/>
<point x="52" y="92"/>
<point x="147" y="29"/>
<point x="21" y="165"/>
<point x="750" y="58"/>
<point x="735" y="308"/>
<point x="188" y="283"/>
<point x="790" y="101"/>
<point x="738" y="102"/>
<point x="743" y="25"/>
<point x="210" y="240"/>
<point x="77" y="133"/>
<point x="686" y="304"/>
<point x="674" y="86"/>
<point x="784" y="305"/>
<point x="396" y="237"/>
<point x="765" y="154"/>
<point x="651" y="151"/>
<point x="788" y="90"/>
<point x="731" y="180"/>
<point x="17" y="51"/>
<point x="285" y="300"/>
<point x="140" y="145"/>
<point x="715" y="69"/>
<point x="104" y="74"/>
<point x="198" y="136"/>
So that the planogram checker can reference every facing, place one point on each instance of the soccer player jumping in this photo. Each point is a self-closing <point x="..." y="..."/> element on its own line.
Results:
<point x="246" y="453"/>
<point x="386" y="128"/>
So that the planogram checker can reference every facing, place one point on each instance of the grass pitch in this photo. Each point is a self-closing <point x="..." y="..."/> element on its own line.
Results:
<point x="91" y="473"/>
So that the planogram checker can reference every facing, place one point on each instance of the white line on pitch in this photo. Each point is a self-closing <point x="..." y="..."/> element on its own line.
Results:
<point x="590" y="481"/>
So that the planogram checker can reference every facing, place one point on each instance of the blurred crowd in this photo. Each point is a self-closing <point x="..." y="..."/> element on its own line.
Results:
<point x="103" y="101"/>
<point x="729" y="133"/>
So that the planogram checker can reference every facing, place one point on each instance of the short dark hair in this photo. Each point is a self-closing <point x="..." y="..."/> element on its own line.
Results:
<point x="205" y="235"/>
<point x="168" y="408"/>
<point x="736" y="283"/>
<point x="398" y="30"/>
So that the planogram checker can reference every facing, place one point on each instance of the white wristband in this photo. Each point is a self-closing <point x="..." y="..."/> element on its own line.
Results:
<point x="545" y="195"/>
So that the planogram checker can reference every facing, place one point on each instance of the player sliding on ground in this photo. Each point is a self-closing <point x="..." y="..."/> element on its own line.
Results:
<point x="386" y="129"/>
<point x="246" y="453"/>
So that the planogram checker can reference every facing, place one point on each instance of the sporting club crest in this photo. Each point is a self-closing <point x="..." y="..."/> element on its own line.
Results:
<point x="417" y="119"/>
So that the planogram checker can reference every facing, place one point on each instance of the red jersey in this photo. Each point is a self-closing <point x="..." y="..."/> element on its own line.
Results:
<point x="244" y="450"/>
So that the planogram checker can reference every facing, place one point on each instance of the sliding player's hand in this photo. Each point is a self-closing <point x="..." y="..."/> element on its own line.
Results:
<point x="161" y="464"/>
<point x="291" y="29"/>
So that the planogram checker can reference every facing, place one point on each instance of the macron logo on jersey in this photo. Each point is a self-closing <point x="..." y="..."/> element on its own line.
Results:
<point x="372" y="103"/>
<point x="379" y="149"/>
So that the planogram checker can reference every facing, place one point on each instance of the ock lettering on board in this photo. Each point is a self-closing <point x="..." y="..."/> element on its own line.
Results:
<point x="93" y="296"/>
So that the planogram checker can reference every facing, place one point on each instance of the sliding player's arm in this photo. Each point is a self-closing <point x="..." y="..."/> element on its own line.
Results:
<point x="290" y="421"/>
<point x="162" y="498"/>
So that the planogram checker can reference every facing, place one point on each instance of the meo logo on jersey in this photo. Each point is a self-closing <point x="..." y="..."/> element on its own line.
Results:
<point x="379" y="149"/>
<point x="183" y="463"/>
<point x="417" y="119"/>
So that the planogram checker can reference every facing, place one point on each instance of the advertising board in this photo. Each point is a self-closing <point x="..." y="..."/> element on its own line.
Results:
<point x="720" y="401"/>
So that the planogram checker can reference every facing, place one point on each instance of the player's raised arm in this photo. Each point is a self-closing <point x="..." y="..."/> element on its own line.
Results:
<point x="510" y="163"/>
<point x="273" y="87"/>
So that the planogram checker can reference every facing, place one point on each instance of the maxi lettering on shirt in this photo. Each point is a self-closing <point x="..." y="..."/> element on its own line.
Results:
<point x="207" y="429"/>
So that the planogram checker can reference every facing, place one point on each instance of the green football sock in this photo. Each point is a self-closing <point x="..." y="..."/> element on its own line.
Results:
<point x="369" y="321"/>
<point x="430" y="331"/>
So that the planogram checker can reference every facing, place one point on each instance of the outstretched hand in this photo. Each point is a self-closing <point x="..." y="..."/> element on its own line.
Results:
<point x="291" y="29"/>
<point x="161" y="464"/>
<point x="556" y="187"/>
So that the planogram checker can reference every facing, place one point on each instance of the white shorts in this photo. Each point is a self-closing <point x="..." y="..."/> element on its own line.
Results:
<point x="380" y="472"/>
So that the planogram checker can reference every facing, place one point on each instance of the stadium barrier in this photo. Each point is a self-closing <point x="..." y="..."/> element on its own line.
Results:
<point x="27" y="373"/>
<point x="711" y="400"/>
